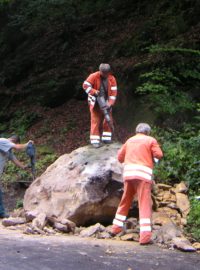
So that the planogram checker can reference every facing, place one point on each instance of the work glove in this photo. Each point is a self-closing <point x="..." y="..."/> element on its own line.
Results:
<point x="96" y="93"/>
<point x="156" y="160"/>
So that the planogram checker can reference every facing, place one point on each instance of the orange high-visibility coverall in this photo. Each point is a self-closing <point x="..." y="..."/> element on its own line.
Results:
<point x="91" y="85"/>
<point x="137" y="154"/>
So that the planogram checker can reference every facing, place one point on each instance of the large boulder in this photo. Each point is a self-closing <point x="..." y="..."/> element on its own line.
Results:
<point x="83" y="186"/>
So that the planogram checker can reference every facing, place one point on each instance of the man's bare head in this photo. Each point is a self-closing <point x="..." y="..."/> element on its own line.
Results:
<point x="105" y="70"/>
<point x="143" y="128"/>
<point x="15" y="139"/>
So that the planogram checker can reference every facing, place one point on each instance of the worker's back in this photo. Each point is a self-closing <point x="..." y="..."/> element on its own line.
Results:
<point x="137" y="154"/>
<point x="139" y="150"/>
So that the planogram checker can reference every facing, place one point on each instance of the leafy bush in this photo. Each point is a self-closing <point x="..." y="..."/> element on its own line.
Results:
<point x="171" y="82"/>
<point x="21" y="121"/>
<point x="193" y="222"/>
<point x="45" y="156"/>
<point x="19" y="204"/>
<point x="181" y="158"/>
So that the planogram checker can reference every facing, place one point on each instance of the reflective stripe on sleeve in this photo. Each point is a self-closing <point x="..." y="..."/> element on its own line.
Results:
<point x="114" y="88"/>
<point x="87" y="83"/>
<point x="112" y="97"/>
<point x="88" y="89"/>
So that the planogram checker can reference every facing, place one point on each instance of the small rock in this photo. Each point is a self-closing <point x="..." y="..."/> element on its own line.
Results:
<point x="69" y="223"/>
<point x="166" y="196"/>
<point x="40" y="221"/>
<point x="90" y="231"/>
<point x="130" y="237"/>
<point x="167" y="232"/>
<point x="172" y="205"/>
<point x="109" y="251"/>
<point x="104" y="235"/>
<point x="183" y="221"/>
<point x="61" y="227"/>
<point x="135" y="230"/>
<point x="19" y="213"/>
<point x="49" y="231"/>
<point x="78" y="230"/>
<point x="13" y="221"/>
<point x="127" y="237"/>
<point x="109" y="228"/>
<point x="30" y="215"/>
<point x="196" y="246"/>
<point x="183" y="204"/>
<point x="181" y="188"/>
<point x="159" y="218"/>
<point x="183" y="244"/>
<point x="131" y="223"/>
<point x="156" y="227"/>
<point x="163" y="186"/>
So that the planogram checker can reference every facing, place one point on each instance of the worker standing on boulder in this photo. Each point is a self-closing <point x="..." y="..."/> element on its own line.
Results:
<point x="6" y="146"/>
<point x="138" y="155"/>
<point x="101" y="84"/>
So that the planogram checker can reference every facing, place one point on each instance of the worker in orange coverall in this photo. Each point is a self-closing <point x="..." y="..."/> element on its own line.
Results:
<point x="138" y="155"/>
<point x="100" y="83"/>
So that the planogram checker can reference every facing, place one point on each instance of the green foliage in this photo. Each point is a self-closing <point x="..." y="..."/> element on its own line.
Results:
<point x="171" y="80"/>
<point x="14" y="174"/>
<point x="35" y="16"/>
<point x="45" y="156"/>
<point x="19" y="204"/>
<point x="193" y="221"/>
<point x="21" y="121"/>
<point x="181" y="158"/>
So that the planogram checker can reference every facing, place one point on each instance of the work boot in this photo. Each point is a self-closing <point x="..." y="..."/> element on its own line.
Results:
<point x="145" y="238"/>
<point x="107" y="142"/>
<point x="116" y="229"/>
<point x="96" y="145"/>
<point x="147" y="243"/>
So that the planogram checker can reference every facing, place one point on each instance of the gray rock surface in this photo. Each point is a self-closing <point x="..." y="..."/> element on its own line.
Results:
<point x="83" y="186"/>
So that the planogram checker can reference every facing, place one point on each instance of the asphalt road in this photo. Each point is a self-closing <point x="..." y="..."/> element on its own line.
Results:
<point x="18" y="251"/>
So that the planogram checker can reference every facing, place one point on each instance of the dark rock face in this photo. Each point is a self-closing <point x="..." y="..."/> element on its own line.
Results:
<point x="83" y="186"/>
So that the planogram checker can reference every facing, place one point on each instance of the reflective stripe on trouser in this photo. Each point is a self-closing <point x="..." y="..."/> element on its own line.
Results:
<point x="119" y="220"/>
<point x="107" y="136"/>
<point x="94" y="139"/>
<point x="143" y="190"/>
<point x="97" y="120"/>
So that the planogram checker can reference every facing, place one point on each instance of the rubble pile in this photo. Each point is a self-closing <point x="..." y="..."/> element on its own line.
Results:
<point x="79" y="194"/>
<point x="170" y="204"/>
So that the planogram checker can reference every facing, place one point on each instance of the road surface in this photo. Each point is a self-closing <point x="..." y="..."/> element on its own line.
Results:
<point x="24" y="252"/>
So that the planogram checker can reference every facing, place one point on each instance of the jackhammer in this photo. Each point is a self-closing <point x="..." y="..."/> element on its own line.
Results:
<point x="106" y="111"/>
<point x="31" y="152"/>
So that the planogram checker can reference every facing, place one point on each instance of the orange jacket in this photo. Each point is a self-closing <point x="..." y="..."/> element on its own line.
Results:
<point x="137" y="154"/>
<point x="92" y="83"/>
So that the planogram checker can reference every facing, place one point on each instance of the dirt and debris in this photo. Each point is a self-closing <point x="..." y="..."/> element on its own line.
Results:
<point x="167" y="222"/>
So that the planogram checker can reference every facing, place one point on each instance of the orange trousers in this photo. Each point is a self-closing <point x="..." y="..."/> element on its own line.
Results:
<point x="143" y="191"/>
<point x="99" y="127"/>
